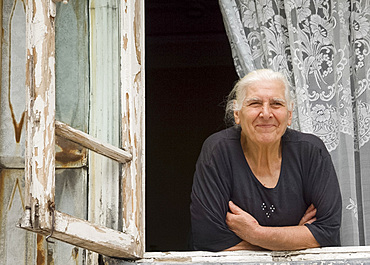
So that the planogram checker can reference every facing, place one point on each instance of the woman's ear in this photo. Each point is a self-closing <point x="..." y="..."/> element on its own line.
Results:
<point x="236" y="112"/>
<point x="236" y="116"/>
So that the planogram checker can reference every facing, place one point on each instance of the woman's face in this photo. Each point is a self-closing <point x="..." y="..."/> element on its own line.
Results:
<point x="264" y="115"/>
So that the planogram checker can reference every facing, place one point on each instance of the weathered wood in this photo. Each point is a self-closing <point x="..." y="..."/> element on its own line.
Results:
<point x="84" y="234"/>
<point x="104" y="120"/>
<point x="133" y="117"/>
<point x="92" y="143"/>
<point x="328" y="255"/>
<point x="40" y="117"/>
<point x="40" y="215"/>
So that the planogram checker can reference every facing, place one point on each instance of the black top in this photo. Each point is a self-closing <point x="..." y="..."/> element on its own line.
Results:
<point x="222" y="174"/>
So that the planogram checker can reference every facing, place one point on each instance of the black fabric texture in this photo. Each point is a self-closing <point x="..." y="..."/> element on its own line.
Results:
<point x="222" y="174"/>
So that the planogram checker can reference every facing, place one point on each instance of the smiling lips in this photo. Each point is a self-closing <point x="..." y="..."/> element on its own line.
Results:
<point x="265" y="125"/>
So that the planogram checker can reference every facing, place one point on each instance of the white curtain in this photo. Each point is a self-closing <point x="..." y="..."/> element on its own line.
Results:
<point x="323" y="46"/>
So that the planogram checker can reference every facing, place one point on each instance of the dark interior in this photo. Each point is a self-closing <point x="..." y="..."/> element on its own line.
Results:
<point x="189" y="72"/>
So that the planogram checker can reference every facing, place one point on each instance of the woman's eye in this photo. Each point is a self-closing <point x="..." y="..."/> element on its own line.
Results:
<point x="278" y="104"/>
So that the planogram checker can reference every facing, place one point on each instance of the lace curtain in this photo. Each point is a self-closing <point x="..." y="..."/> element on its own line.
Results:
<point x="323" y="47"/>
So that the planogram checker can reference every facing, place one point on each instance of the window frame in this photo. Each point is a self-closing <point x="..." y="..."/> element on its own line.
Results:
<point x="40" y="215"/>
<point x="326" y="255"/>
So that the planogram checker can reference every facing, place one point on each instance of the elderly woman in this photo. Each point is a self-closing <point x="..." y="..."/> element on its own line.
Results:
<point x="261" y="185"/>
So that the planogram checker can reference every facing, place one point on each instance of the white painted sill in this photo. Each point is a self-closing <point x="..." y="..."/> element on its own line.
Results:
<point x="329" y="255"/>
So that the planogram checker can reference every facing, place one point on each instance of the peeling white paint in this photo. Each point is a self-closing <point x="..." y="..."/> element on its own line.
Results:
<point x="37" y="189"/>
<point x="342" y="255"/>
<point x="40" y="141"/>
<point x="40" y="110"/>
<point x="133" y="109"/>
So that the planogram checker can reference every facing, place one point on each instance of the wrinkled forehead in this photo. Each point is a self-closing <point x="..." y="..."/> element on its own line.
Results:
<point x="275" y="88"/>
<point x="260" y="99"/>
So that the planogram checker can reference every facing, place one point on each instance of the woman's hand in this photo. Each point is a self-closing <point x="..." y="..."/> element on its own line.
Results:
<point x="244" y="245"/>
<point x="309" y="216"/>
<point x="248" y="229"/>
<point x="241" y="223"/>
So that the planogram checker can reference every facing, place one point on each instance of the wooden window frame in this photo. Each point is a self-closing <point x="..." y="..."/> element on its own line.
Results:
<point x="327" y="256"/>
<point x="40" y="215"/>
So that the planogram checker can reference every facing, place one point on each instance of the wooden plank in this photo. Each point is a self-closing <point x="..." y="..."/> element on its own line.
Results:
<point x="133" y="117"/>
<point x="40" y="117"/>
<point x="326" y="255"/>
<point x="92" y="143"/>
<point x="70" y="187"/>
<point x="86" y="235"/>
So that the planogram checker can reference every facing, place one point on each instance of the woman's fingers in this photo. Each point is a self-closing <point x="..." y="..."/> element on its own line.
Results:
<point x="309" y="216"/>
<point x="234" y="208"/>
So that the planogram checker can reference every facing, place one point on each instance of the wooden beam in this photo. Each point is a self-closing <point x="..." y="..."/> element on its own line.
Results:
<point x="324" y="255"/>
<point x="92" y="143"/>
<point x="86" y="235"/>
<point x="133" y="116"/>
<point x="40" y="117"/>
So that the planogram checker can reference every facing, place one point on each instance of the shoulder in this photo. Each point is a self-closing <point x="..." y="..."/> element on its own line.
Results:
<point x="305" y="141"/>
<point x="221" y="141"/>
<point x="232" y="133"/>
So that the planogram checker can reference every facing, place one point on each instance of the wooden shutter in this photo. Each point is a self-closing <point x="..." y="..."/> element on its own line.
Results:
<point x="40" y="215"/>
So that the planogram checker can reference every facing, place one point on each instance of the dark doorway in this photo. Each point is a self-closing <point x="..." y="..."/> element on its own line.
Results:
<point x="189" y="71"/>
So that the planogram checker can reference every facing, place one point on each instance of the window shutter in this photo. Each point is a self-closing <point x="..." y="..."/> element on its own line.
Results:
<point x="40" y="215"/>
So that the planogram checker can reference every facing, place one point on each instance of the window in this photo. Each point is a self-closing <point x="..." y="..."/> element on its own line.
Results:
<point x="112" y="23"/>
<point x="130" y="79"/>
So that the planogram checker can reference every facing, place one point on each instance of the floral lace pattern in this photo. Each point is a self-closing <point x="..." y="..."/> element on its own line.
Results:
<point x="326" y="60"/>
<point x="323" y="47"/>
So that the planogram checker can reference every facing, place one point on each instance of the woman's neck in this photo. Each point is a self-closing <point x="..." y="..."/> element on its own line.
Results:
<point x="264" y="161"/>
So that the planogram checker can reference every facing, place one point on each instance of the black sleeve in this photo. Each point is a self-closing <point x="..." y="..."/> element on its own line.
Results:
<point x="209" y="205"/>
<point x="326" y="197"/>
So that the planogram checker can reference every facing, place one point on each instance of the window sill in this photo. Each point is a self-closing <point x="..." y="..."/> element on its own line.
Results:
<point x="329" y="255"/>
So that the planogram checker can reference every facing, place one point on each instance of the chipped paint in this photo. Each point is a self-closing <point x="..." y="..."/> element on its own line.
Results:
<point x="40" y="165"/>
<point x="16" y="245"/>
<point x="92" y="143"/>
<point x="133" y="109"/>
<point x="93" y="237"/>
<point x="124" y="42"/>
<point x="40" y="139"/>
<point x="137" y="29"/>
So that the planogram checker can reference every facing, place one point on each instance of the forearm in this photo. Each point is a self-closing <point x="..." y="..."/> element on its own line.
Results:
<point x="282" y="238"/>
<point x="248" y="229"/>
<point x="244" y="245"/>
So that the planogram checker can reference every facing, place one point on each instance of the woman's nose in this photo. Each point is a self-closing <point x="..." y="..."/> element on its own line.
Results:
<point x="266" y="111"/>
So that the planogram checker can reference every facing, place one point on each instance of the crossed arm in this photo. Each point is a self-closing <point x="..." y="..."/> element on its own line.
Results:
<point x="257" y="237"/>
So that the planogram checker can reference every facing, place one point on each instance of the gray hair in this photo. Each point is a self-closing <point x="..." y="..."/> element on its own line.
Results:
<point x="237" y="95"/>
